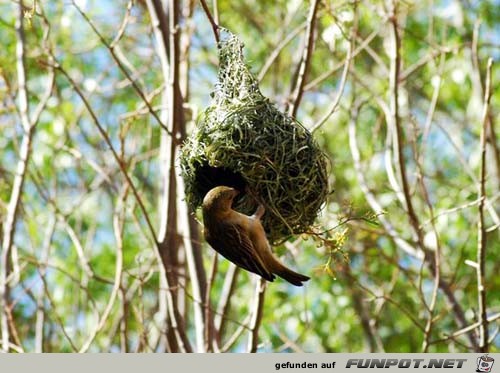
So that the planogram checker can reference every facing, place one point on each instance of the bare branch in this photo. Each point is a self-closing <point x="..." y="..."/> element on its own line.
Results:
<point x="28" y="125"/>
<point x="215" y="26"/>
<point x="237" y="334"/>
<point x="224" y="300"/>
<point x="395" y="57"/>
<point x="40" y="312"/>
<point x="211" y="342"/>
<point x="111" y="50"/>
<point x="394" y="122"/>
<point x="276" y="51"/>
<point x="481" y="240"/>
<point x="118" y="231"/>
<point x="298" y="88"/>
<point x="192" y="267"/>
<point x="256" y="311"/>
<point x="362" y="45"/>
<point x="468" y="329"/>
<point x="343" y="80"/>
<point x="420" y="175"/>
<point x="111" y="148"/>
<point x="370" y="197"/>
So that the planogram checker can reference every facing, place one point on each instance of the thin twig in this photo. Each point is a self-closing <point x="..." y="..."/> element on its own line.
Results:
<point x="118" y="232"/>
<point x="362" y="45"/>
<point x="234" y="337"/>
<point x="370" y="197"/>
<point x="85" y="265"/>
<point x="199" y="322"/>
<point x="228" y="288"/>
<point x="256" y="311"/>
<point x="215" y="27"/>
<point x="44" y="258"/>
<point x="467" y="329"/>
<point x="343" y="80"/>
<point x="419" y="156"/>
<point x="466" y="167"/>
<point x="122" y="68"/>
<point x="395" y="123"/>
<point x="288" y="343"/>
<point x="211" y="341"/>
<point x="441" y="52"/>
<point x="437" y="254"/>
<point x="55" y="314"/>
<point x="481" y="239"/>
<point x="276" y="50"/>
<point x="123" y="26"/>
<point x="372" y="335"/>
<point x="215" y="7"/>
<point x="28" y="125"/>
<point x="456" y="209"/>
<point x="390" y="300"/>
<point x="480" y="90"/>
<point x="298" y="89"/>
<point x="159" y="22"/>
<point x="107" y="139"/>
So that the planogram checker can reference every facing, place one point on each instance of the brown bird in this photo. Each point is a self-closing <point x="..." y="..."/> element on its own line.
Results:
<point x="240" y="238"/>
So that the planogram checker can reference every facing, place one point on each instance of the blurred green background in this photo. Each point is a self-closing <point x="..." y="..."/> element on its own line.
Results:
<point x="80" y="268"/>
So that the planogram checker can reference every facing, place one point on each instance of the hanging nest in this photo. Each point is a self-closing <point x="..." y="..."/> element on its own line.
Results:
<point x="242" y="140"/>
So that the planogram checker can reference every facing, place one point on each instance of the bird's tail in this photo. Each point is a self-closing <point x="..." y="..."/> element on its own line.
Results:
<point x="292" y="277"/>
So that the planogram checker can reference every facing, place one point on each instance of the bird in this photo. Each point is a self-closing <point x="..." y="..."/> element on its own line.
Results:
<point x="241" y="238"/>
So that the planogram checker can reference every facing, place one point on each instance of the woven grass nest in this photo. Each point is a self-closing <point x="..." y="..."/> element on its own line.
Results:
<point x="242" y="140"/>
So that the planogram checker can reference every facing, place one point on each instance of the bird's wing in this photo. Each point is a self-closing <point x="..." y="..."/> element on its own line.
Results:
<point x="232" y="242"/>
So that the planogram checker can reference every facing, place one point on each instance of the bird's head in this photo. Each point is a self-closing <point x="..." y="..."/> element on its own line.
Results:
<point x="219" y="198"/>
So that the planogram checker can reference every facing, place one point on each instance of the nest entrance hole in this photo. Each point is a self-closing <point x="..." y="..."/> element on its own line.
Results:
<point x="208" y="177"/>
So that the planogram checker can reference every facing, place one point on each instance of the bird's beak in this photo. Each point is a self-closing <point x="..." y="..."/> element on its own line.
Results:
<point x="235" y="193"/>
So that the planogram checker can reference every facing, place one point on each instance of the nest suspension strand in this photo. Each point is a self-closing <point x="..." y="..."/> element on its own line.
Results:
<point x="242" y="140"/>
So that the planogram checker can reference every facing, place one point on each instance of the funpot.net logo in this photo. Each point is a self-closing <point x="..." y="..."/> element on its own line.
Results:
<point x="484" y="363"/>
<point x="406" y="363"/>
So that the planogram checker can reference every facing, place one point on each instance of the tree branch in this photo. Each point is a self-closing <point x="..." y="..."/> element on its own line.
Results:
<point x="298" y="88"/>
<point x="215" y="26"/>
<point x="481" y="240"/>
<point x="122" y="68"/>
<point x="28" y="125"/>
<point x="228" y="289"/>
<point x="256" y="318"/>
<point x="343" y="79"/>
<point x="394" y="122"/>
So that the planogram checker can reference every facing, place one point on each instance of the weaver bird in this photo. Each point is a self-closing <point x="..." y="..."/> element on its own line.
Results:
<point x="240" y="238"/>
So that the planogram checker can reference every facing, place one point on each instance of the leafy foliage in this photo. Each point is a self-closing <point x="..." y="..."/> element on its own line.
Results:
<point x="394" y="253"/>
